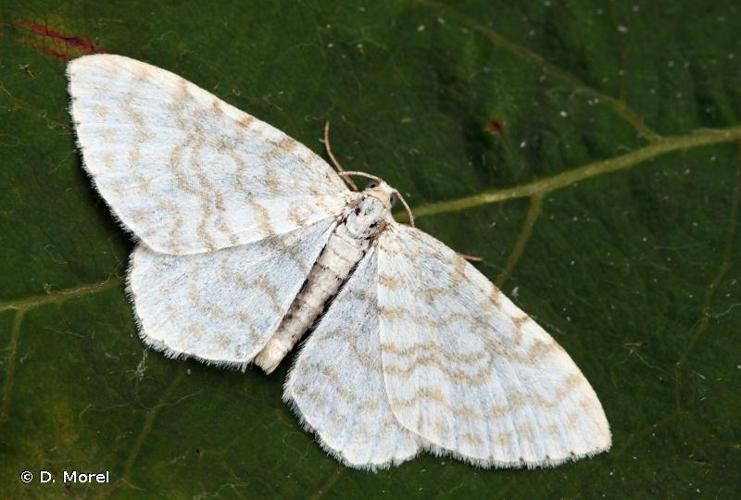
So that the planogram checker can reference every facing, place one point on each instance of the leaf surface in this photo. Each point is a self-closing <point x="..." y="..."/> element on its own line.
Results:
<point x="587" y="151"/>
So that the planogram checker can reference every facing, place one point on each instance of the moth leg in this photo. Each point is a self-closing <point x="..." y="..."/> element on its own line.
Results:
<point x="471" y="258"/>
<point x="351" y="184"/>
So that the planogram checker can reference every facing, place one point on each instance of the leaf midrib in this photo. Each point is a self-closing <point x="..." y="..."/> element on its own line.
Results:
<point x="569" y="177"/>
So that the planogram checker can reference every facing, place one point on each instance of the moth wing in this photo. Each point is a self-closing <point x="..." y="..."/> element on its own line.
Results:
<point x="336" y="384"/>
<point x="470" y="372"/>
<point x="185" y="171"/>
<point x="221" y="307"/>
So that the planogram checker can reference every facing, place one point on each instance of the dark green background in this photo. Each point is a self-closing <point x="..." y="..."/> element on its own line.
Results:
<point x="637" y="273"/>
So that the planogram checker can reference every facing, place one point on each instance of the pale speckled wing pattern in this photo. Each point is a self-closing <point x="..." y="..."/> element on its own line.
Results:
<point x="185" y="171"/>
<point x="417" y="351"/>
<point x="336" y="385"/>
<point x="221" y="307"/>
<point x="470" y="372"/>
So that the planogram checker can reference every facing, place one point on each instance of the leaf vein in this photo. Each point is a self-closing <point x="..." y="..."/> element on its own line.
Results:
<point x="723" y="268"/>
<point x="618" y="106"/>
<point x="578" y="174"/>
<point x="536" y="204"/>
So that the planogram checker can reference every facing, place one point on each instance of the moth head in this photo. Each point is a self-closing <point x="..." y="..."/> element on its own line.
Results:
<point x="382" y="192"/>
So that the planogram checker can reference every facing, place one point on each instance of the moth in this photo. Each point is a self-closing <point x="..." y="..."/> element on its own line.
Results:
<point x="247" y="240"/>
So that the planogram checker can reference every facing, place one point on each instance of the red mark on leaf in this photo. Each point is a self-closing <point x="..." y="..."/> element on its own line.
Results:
<point x="55" y="42"/>
<point x="494" y="127"/>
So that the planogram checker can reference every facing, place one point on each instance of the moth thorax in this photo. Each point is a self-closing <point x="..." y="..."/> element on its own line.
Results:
<point x="366" y="218"/>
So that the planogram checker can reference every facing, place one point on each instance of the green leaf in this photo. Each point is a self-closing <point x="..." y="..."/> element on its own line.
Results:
<point x="587" y="151"/>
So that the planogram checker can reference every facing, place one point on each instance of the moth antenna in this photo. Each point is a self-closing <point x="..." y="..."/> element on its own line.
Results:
<point x="406" y="207"/>
<point x="336" y="164"/>
<point x="360" y="174"/>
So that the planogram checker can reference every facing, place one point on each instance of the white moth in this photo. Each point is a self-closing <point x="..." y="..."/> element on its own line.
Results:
<point x="247" y="240"/>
